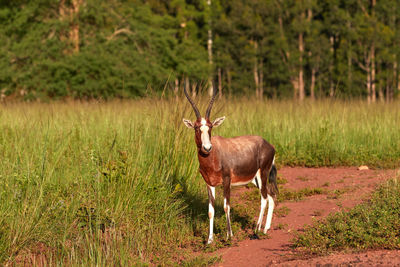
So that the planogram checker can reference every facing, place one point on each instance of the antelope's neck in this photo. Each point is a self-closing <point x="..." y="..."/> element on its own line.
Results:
<point x="210" y="167"/>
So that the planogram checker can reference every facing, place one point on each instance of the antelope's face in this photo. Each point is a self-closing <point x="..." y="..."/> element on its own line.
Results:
<point x="202" y="128"/>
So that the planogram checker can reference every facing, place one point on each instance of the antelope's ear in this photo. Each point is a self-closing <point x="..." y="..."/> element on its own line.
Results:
<point x="188" y="123"/>
<point x="218" y="121"/>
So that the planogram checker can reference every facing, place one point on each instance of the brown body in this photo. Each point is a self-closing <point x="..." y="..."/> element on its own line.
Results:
<point x="237" y="159"/>
<point x="233" y="161"/>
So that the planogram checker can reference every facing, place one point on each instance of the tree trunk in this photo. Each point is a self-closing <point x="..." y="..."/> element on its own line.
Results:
<point x="194" y="93"/>
<point x="301" y="78"/>
<point x="331" y="86"/>
<point x="187" y="83"/>
<point x="209" y="48"/>
<point x="229" y="77"/>
<point x="312" y="86"/>
<point x="368" y="69"/>
<point x="255" y="71"/>
<point x="72" y="14"/>
<point x="349" y="63"/>
<point x="389" y="96"/>
<point x="176" y="89"/>
<point x="373" y="74"/>
<point x="261" y="75"/>
<point x="387" y="90"/>
<point x="74" y="33"/>
<point x="219" y="83"/>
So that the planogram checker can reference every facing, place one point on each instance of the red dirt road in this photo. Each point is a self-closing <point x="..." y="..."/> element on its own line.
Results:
<point x="353" y="186"/>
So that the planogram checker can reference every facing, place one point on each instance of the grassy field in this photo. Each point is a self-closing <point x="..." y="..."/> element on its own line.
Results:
<point x="371" y="225"/>
<point x="117" y="183"/>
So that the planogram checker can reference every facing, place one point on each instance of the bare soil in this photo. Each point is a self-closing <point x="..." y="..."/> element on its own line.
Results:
<point x="352" y="187"/>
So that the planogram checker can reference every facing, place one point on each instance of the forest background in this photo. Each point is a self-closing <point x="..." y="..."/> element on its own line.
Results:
<point x="85" y="49"/>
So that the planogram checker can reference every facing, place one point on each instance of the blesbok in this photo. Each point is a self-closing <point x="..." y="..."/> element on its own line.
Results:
<point x="233" y="161"/>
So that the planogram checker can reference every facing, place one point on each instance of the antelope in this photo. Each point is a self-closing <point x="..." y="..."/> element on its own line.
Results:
<point x="231" y="162"/>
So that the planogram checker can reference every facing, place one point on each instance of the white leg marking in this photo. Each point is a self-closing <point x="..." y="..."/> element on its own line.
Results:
<point x="263" y="202"/>
<point x="271" y="205"/>
<point x="211" y="216"/>
<point x="262" y="210"/>
<point x="227" y="209"/>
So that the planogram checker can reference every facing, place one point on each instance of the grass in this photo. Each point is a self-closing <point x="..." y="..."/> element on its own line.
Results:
<point x="293" y="195"/>
<point x="371" y="225"/>
<point x="117" y="183"/>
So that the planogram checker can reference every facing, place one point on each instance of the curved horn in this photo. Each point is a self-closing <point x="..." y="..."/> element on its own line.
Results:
<point x="196" y="111"/>
<point x="211" y="103"/>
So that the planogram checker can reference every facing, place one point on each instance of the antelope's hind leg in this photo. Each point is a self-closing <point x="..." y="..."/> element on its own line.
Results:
<point x="227" y="206"/>
<point x="257" y="181"/>
<point x="271" y="206"/>
<point x="263" y="175"/>
<point x="211" y="201"/>
<point x="272" y="191"/>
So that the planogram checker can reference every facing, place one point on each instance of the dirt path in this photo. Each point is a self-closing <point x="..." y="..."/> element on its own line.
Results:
<point x="352" y="187"/>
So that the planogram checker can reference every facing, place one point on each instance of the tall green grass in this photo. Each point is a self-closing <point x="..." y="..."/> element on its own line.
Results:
<point x="117" y="183"/>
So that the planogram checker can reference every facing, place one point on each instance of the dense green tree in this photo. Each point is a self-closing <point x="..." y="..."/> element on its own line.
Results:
<point x="263" y="48"/>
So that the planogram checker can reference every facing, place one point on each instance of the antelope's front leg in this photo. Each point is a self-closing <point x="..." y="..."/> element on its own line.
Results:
<point x="211" y="201"/>
<point x="227" y="206"/>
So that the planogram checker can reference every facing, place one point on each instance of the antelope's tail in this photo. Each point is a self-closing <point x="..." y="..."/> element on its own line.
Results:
<point x="272" y="182"/>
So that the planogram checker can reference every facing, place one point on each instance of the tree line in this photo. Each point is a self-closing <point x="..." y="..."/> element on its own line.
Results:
<point x="267" y="48"/>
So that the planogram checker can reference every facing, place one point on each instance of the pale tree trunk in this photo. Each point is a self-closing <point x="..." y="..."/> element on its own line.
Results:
<point x="176" y="89"/>
<point x="219" y="83"/>
<point x="255" y="71"/>
<point x="387" y="90"/>
<point x="373" y="75"/>
<point x="389" y="97"/>
<point x="368" y="63"/>
<point x="187" y="83"/>
<point x="373" y="70"/>
<point x="301" y="78"/>
<point x="194" y="93"/>
<point x="349" y="62"/>
<point x="229" y="77"/>
<point x="72" y="14"/>
<point x="312" y="86"/>
<point x="378" y="84"/>
<point x="74" y="33"/>
<point x="349" y="69"/>
<point x="261" y="75"/>
<point x="295" y="83"/>
<point x="331" y="86"/>
<point x="209" y="48"/>
<point x="313" y="68"/>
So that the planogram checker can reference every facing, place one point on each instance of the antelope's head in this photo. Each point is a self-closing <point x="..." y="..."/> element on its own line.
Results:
<point x="202" y="126"/>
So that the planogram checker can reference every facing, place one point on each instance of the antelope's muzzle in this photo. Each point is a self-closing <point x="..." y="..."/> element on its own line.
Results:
<point x="207" y="148"/>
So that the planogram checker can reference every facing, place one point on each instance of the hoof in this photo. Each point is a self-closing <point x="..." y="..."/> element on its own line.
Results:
<point x="209" y="241"/>
<point x="254" y="236"/>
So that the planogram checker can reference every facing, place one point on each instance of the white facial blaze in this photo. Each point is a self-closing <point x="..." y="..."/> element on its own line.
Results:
<point x="205" y="138"/>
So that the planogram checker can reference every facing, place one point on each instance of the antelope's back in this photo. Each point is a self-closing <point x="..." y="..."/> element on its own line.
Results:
<point x="243" y="155"/>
